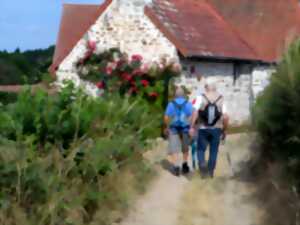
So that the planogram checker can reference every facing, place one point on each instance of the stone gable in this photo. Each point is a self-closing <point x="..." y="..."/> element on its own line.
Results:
<point x="125" y="26"/>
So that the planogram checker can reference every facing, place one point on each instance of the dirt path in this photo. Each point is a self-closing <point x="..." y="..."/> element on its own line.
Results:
<point x="224" y="200"/>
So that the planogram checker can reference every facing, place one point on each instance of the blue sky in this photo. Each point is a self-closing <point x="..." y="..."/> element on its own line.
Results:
<point x="31" y="24"/>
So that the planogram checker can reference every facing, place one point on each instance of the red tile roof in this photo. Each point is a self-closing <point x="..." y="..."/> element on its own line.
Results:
<point x="198" y="30"/>
<point x="237" y="29"/>
<point x="75" y="22"/>
<point x="265" y="24"/>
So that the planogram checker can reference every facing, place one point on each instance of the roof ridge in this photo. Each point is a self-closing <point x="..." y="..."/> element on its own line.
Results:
<point x="223" y="20"/>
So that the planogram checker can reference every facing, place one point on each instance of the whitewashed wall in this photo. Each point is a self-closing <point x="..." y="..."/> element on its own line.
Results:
<point x="239" y="94"/>
<point x="260" y="79"/>
<point x="123" y="25"/>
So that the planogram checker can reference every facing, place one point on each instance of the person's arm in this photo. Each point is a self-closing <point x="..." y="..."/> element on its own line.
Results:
<point x="195" y="114"/>
<point x="166" y="125"/>
<point x="167" y="116"/>
<point x="193" y="123"/>
<point x="194" y="118"/>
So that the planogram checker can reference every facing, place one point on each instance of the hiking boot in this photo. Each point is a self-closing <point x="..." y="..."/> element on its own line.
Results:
<point x="185" y="168"/>
<point x="211" y="174"/>
<point x="203" y="172"/>
<point x="176" y="171"/>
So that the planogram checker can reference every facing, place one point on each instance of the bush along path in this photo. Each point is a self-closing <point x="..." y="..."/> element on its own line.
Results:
<point x="228" y="199"/>
<point x="64" y="157"/>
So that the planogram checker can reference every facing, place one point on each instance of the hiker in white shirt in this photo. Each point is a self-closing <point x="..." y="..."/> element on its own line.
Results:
<point x="211" y="113"/>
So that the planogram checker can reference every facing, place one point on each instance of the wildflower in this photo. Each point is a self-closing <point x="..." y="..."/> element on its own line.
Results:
<point x="112" y="65"/>
<point x="138" y="72"/>
<point x="176" y="67"/>
<point x="86" y="56"/>
<point x="100" y="85"/>
<point x="153" y="95"/>
<point x="120" y="63"/>
<point x="145" y="83"/>
<point x="126" y="76"/>
<point x="92" y="45"/>
<point x="145" y="68"/>
<point x="108" y="70"/>
<point x="133" y="84"/>
<point x="133" y="90"/>
<point x="161" y="66"/>
<point x="136" y="58"/>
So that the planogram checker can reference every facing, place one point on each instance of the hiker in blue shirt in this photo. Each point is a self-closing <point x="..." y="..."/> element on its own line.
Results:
<point x="177" y="122"/>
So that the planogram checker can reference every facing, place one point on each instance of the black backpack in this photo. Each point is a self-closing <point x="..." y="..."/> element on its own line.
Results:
<point x="211" y="113"/>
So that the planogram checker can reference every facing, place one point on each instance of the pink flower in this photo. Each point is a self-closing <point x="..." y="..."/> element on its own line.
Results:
<point x="133" y="90"/>
<point x="108" y="70"/>
<point x="87" y="55"/>
<point x="136" y="58"/>
<point x="126" y="76"/>
<point x="132" y="82"/>
<point x="153" y="94"/>
<point x="145" y="68"/>
<point x="161" y="66"/>
<point x="138" y="72"/>
<point x="176" y="67"/>
<point x="100" y="85"/>
<point x="145" y="83"/>
<point x="120" y="63"/>
<point x="92" y="45"/>
<point x="113" y="65"/>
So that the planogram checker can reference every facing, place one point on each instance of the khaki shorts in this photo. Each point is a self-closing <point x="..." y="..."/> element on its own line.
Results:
<point x="178" y="143"/>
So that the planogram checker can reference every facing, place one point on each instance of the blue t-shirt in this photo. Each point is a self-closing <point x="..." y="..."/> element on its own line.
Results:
<point x="172" y="110"/>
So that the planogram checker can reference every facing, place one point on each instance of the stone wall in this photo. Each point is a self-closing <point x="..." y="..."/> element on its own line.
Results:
<point x="260" y="79"/>
<point x="125" y="26"/>
<point x="239" y="92"/>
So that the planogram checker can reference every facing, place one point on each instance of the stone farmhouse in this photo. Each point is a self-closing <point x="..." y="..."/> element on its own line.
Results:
<point x="235" y="42"/>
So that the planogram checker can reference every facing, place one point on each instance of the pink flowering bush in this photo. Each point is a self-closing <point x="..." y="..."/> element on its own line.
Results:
<point x="114" y="71"/>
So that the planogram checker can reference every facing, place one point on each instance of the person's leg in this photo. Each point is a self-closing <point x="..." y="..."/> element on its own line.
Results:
<point x="173" y="152"/>
<point x="201" y="147"/>
<point x="194" y="151"/>
<point x="185" y="141"/>
<point x="214" y="149"/>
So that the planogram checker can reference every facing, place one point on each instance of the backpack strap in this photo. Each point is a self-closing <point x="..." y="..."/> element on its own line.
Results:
<point x="179" y="106"/>
<point x="209" y="102"/>
<point x="218" y="99"/>
<point x="206" y="98"/>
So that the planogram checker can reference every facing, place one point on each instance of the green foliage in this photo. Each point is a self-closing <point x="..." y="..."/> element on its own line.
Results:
<point x="6" y="97"/>
<point x="277" y="112"/>
<point x="24" y="67"/>
<point x="61" y="155"/>
<point x="68" y="116"/>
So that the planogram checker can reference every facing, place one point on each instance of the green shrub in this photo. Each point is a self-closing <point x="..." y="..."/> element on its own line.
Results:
<point x="7" y="97"/>
<point x="60" y="156"/>
<point x="69" y="115"/>
<point x="277" y="112"/>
